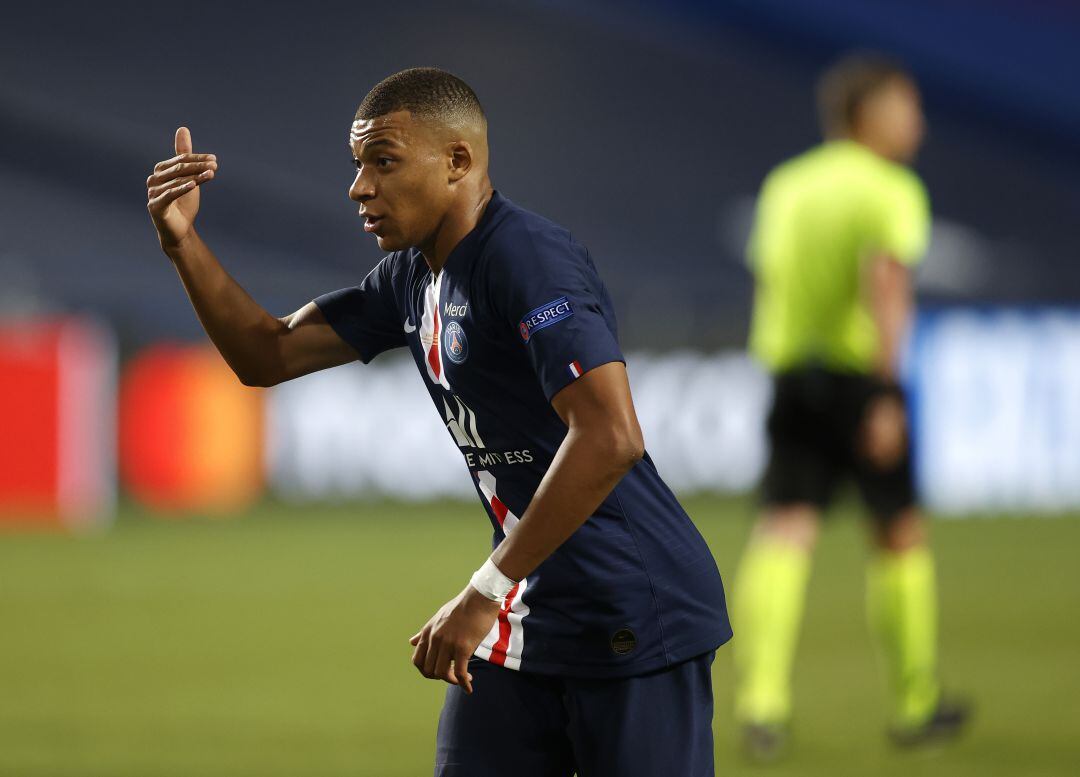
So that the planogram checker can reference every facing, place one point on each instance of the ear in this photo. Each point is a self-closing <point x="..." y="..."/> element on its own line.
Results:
<point x="460" y="159"/>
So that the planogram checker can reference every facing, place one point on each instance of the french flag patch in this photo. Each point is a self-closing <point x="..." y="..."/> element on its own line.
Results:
<point x="575" y="369"/>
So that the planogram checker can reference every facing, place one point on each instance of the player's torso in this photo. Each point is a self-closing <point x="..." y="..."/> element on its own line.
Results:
<point x="480" y="382"/>
<point x="612" y="599"/>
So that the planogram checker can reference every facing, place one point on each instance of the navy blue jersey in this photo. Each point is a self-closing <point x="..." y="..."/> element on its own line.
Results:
<point x="517" y="313"/>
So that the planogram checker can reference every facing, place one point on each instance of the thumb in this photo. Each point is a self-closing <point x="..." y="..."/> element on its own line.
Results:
<point x="183" y="140"/>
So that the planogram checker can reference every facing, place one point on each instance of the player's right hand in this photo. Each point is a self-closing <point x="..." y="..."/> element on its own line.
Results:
<point x="172" y="190"/>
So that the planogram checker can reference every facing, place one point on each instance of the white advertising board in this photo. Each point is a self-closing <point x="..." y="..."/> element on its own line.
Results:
<point x="995" y="404"/>
<point x="371" y="430"/>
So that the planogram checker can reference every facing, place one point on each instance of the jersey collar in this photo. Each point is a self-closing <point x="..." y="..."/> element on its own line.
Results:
<point x="466" y="247"/>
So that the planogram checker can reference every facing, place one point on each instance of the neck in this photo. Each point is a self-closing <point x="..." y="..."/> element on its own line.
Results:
<point x="460" y="220"/>
<point x="881" y="149"/>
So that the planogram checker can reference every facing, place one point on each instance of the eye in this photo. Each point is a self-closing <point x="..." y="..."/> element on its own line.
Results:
<point x="384" y="162"/>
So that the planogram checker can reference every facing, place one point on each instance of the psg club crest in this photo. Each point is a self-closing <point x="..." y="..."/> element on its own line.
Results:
<point x="455" y="345"/>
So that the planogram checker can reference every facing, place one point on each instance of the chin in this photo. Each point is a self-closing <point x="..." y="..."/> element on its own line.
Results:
<point x="391" y="243"/>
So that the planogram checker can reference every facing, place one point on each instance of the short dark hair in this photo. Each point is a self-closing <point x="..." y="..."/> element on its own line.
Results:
<point x="426" y="92"/>
<point x="842" y="88"/>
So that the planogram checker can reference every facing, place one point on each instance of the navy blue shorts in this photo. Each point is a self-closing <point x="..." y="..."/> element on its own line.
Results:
<point x="529" y="725"/>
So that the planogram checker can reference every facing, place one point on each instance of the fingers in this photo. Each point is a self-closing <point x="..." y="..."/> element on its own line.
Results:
<point x="419" y="655"/>
<point x="432" y="658"/>
<point x="184" y="158"/>
<point x="203" y="177"/>
<point x="179" y="170"/>
<point x="437" y="663"/>
<point x="169" y="194"/>
<point x="438" y="660"/>
<point x="461" y="675"/>
<point x="183" y="140"/>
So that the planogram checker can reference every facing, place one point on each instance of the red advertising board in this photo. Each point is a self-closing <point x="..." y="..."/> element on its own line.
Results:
<point x="57" y="423"/>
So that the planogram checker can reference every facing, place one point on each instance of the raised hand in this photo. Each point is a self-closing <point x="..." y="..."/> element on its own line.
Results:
<point x="172" y="191"/>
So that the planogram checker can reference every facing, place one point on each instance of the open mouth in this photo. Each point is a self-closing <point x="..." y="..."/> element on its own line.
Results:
<point x="371" y="223"/>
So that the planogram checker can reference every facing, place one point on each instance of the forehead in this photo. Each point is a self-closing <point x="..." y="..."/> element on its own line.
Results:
<point x="397" y="128"/>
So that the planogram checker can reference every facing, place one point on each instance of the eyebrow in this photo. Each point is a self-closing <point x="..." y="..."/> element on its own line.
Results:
<point x="379" y="142"/>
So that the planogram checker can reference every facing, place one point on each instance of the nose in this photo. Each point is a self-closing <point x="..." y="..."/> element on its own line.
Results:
<point x="362" y="189"/>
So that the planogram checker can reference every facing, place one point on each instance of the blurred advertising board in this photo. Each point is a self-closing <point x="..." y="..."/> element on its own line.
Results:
<point x="371" y="430"/>
<point x="996" y="406"/>
<point x="190" y="433"/>
<point x="995" y="419"/>
<point x="57" y="423"/>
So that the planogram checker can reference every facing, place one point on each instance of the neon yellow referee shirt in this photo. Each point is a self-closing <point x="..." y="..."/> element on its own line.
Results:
<point x="821" y="217"/>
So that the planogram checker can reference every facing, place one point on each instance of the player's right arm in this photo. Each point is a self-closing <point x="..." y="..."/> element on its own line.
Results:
<point x="262" y="350"/>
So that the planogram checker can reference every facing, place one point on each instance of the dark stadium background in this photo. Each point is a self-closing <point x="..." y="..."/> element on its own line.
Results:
<point x="267" y="643"/>
<point x="644" y="127"/>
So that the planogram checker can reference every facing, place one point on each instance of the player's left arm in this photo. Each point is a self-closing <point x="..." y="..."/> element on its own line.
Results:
<point x="603" y="442"/>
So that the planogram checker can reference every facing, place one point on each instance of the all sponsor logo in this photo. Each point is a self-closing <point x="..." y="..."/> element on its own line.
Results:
<point x="461" y="421"/>
<point x="544" y="316"/>
<point x="452" y="310"/>
<point x="455" y="344"/>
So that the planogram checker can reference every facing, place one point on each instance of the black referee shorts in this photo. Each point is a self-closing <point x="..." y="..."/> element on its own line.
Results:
<point x="814" y="429"/>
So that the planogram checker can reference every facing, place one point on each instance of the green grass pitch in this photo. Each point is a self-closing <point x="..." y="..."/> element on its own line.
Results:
<point x="276" y="644"/>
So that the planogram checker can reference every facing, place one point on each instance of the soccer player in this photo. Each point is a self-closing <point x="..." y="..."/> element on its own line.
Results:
<point x="584" y="642"/>
<point x="837" y="231"/>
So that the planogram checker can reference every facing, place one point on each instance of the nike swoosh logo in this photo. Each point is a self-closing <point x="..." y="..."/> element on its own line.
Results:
<point x="409" y="328"/>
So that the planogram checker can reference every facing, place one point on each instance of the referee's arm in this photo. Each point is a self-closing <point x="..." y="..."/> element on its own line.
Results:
<point x="884" y="429"/>
<point x="889" y="292"/>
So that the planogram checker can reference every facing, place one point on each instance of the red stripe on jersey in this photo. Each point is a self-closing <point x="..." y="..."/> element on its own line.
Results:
<point x="498" y="651"/>
<point x="433" y="351"/>
<point x="499" y="509"/>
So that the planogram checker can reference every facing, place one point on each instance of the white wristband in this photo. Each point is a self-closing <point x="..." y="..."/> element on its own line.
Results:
<point x="491" y="583"/>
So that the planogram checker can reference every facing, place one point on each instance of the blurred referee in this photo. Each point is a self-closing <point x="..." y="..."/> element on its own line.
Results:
<point x="837" y="231"/>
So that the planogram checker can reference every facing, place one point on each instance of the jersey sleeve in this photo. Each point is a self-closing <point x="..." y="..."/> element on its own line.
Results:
<point x="903" y="220"/>
<point x="547" y="289"/>
<point x="366" y="316"/>
<point x="755" y="244"/>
